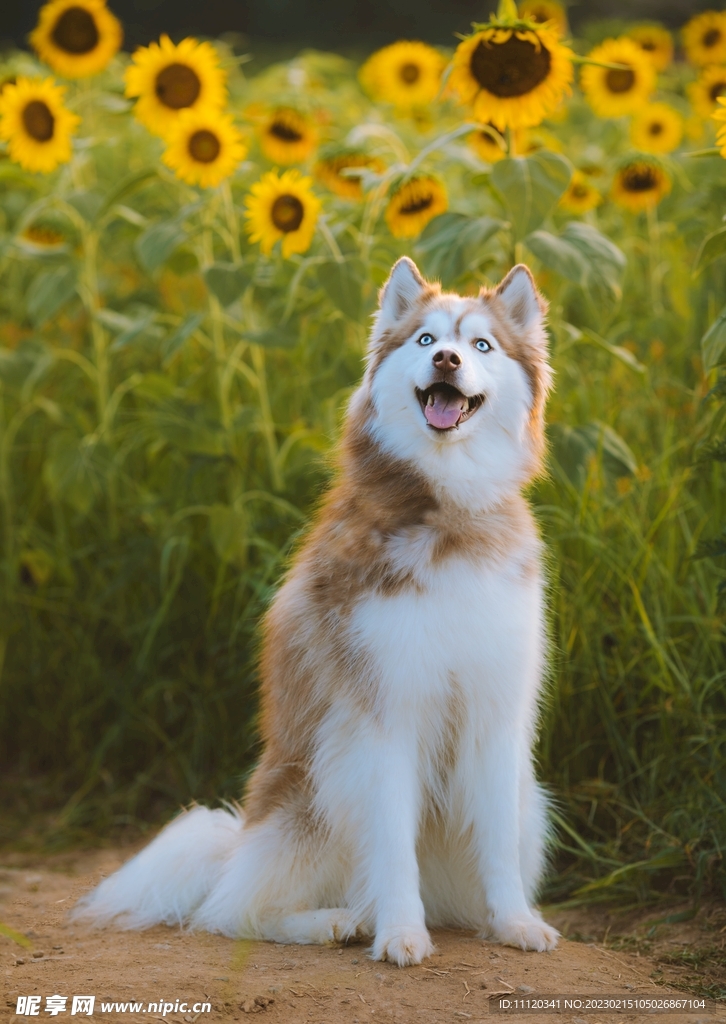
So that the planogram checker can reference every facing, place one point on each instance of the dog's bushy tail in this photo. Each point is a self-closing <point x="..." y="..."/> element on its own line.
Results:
<point x="170" y="878"/>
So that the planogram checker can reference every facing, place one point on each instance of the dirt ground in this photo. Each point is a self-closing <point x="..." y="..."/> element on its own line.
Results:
<point x="611" y="955"/>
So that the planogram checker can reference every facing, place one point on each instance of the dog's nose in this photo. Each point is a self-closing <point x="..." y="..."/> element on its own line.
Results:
<point x="447" y="361"/>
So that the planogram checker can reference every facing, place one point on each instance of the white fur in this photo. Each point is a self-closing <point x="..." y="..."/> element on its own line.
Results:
<point x="409" y="834"/>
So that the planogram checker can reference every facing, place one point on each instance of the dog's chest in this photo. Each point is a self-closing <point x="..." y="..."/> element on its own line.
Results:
<point x="464" y="628"/>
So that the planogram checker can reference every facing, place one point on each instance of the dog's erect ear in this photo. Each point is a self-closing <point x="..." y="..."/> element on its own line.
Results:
<point x="399" y="293"/>
<point x="520" y="297"/>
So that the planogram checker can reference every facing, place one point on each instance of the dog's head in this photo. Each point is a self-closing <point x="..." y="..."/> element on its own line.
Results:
<point x="456" y="385"/>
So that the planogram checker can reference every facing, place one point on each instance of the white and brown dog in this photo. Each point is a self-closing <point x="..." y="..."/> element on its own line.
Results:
<point x="402" y="666"/>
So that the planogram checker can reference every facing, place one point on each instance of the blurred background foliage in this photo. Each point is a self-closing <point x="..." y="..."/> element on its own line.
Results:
<point x="169" y="397"/>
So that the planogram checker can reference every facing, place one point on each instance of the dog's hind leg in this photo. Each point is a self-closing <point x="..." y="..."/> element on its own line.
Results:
<point x="316" y="927"/>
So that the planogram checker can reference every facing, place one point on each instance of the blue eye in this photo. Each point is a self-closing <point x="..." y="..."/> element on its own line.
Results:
<point x="426" y="339"/>
<point x="483" y="345"/>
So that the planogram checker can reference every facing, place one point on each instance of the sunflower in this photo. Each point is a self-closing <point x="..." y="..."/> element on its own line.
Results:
<point x="640" y="183"/>
<point x="612" y="92"/>
<point x="513" y="78"/>
<point x="347" y="186"/>
<point x="282" y="207"/>
<point x="704" y="38"/>
<point x="580" y="196"/>
<point x="545" y="12"/>
<point x="77" y="38"/>
<point x="656" y="128"/>
<point x="406" y="74"/>
<point x="287" y="136"/>
<point x="35" y="123"/>
<point x="656" y="43"/>
<point x="168" y="79"/>
<point x="488" y="146"/>
<point x="41" y="239"/>
<point x="204" y="147"/>
<point x="705" y="91"/>
<point x="720" y="116"/>
<point x="414" y="204"/>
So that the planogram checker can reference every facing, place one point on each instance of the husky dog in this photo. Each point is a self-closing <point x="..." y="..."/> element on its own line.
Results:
<point x="401" y="669"/>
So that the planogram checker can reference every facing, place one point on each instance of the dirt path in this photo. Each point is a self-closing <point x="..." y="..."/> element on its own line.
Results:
<point x="313" y="985"/>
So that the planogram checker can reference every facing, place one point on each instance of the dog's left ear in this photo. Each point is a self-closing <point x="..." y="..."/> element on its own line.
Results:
<point x="521" y="299"/>
<point x="399" y="294"/>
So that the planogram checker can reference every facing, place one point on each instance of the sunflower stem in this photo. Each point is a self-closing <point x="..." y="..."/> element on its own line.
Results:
<point x="330" y="239"/>
<point x="232" y="221"/>
<point x="654" y="259"/>
<point x="268" y="423"/>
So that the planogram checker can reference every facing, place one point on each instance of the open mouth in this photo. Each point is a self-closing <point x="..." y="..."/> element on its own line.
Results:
<point x="445" y="407"/>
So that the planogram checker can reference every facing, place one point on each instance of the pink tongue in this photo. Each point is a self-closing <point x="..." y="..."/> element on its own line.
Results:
<point x="445" y="411"/>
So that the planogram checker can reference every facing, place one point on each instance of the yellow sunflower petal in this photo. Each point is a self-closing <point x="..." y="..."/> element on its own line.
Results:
<point x="580" y="196"/>
<point x="168" y="79"/>
<point x="77" y="38"/>
<point x="287" y="136"/>
<point x="656" y="128"/>
<point x="612" y="92"/>
<point x="513" y="79"/>
<point x="640" y="184"/>
<point x="705" y="91"/>
<point x="282" y="208"/>
<point x="35" y="123"/>
<point x="656" y="43"/>
<point x="204" y="147"/>
<point x="331" y="172"/>
<point x="704" y="38"/>
<point x="406" y="74"/>
<point x="545" y="12"/>
<point x="414" y="204"/>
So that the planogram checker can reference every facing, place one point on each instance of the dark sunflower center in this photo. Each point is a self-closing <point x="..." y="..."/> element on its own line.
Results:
<point x="287" y="213"/>
<point x="716" y="90"/>
<point x="417" y="205"/>
<point x="639" y="179"/>
<point x="410" y="73"/>
<point x="38" y="121"/>
<point x="578" y="191"/>
<point x="177" y="86"/>
<point x="204" y="146"/>
<point x="711" y="38"/>
<point x="647" y="44"/>
<point x="620" y="79"/>
<point x="75" y="31"/>
<point x="284" y="131"/>
<point x="513" y="68"/>
<point x="655" y="128"/>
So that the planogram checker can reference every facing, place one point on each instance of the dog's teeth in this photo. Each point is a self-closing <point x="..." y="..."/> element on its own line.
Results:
<point x="430" y="400"/>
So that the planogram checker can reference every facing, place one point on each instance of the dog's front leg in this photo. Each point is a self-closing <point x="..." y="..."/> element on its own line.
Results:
<point x="496" y="813"/>
<point x="390" y="826"/>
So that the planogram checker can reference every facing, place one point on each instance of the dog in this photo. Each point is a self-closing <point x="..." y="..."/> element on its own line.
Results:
<point x="402" y="666"/>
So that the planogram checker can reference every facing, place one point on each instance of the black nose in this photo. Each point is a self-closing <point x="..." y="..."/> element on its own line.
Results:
<point x="447" y="361"/>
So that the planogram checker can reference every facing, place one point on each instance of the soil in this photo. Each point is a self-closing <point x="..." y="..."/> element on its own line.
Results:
<point x="636" y="955"/>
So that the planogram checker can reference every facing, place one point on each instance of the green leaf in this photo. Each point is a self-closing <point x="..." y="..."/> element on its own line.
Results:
<point x="275" y="337"/>
<point x="575" y="447"/>
<point x="49" y="290"/>
<point x="530" y="186"/>
<point x="452" y="245"/>
<point x="228" y="531"/>
<point x="133" y="330"/>
<point x="125" y="188"/>
<point x="559" y="255"/>
<point x="87" y="202"/>
<point x="157" y="243"/>
<point x="177" y="338"/>
<point x="72" y="471"/>
<point x="713" y="343"/>
<point x="343" y="283"/>
<point x="712" y="248"/>
<point x="605" y="261"/>
<point x="227" y="281"/>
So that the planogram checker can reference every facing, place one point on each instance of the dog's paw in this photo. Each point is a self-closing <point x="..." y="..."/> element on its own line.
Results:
<point x="524" y="932"/>
<point x="403" y="946"/>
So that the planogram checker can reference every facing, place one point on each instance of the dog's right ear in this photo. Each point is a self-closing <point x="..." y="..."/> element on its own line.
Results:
<point x="398" y="295"/>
